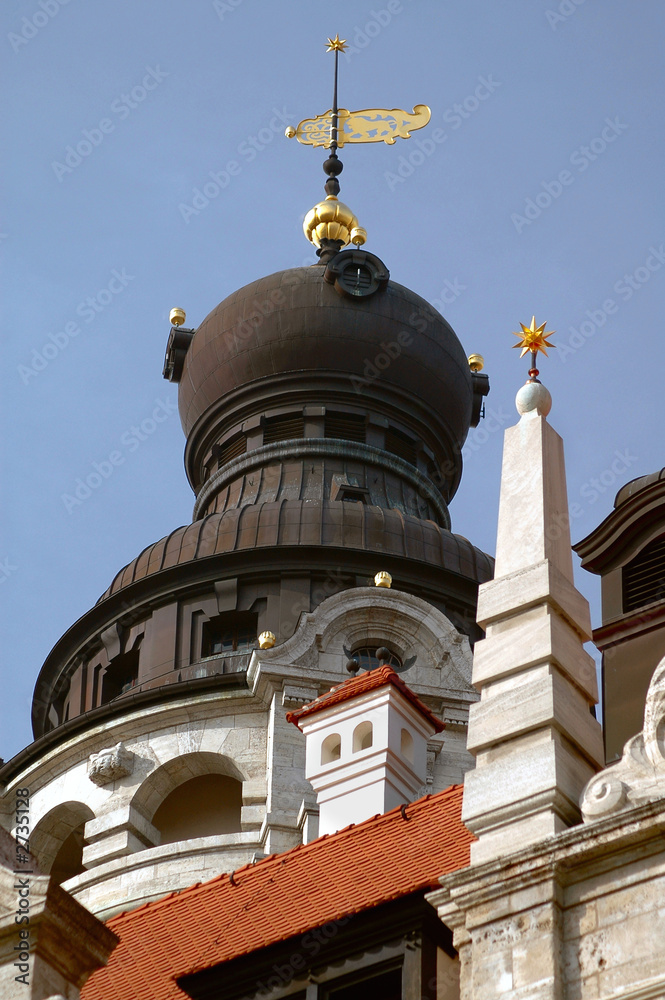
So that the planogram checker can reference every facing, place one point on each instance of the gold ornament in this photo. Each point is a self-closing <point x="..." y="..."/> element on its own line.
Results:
<point x="533" y="339"/>
<point x="368" y="125"/>
<point x="336" y="44"/>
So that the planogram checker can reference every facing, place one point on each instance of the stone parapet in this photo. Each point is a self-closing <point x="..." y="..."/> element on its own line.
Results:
<point x="579" y="915"/>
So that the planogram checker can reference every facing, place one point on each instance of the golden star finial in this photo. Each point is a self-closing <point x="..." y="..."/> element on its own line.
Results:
<point x="336" y="44"/>
<point x="533" y="339"/>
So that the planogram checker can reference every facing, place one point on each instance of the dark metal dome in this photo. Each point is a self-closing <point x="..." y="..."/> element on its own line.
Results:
<point x="294" y="326"/>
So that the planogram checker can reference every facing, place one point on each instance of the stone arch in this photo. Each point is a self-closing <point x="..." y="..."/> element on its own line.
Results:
<point x="57" y="840"/>
<point x="193" y="795"/>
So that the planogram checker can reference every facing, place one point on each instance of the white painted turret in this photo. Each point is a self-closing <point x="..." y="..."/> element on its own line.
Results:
<point x="366" y="749"/>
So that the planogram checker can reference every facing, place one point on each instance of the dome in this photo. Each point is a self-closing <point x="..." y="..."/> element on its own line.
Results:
<point x="295" y="323"/>
<point x="294" y="523"/>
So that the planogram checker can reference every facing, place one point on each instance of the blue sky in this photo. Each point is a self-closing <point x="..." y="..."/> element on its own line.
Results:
<point x="542" y="194"/>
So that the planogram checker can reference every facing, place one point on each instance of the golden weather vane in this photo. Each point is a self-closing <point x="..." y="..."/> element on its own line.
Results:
<point x="533" y="339"/>
<point x="331" y="227"/>
<point x="339" y="125"/>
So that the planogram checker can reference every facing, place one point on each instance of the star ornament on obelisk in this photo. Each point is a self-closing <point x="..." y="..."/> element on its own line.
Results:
<point x="331" y="225"/>
<point x="532" y="340"/>
<point x="533" y="396"/>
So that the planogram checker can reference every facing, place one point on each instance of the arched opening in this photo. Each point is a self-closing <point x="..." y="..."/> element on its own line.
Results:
<point x="406" y="745"/>
<point x="57" y="840"/>
<point x="201" y="807"/>
<point x="193" y="795"/>
<point x="363" y="736"/>
<point x="331" y="748"/>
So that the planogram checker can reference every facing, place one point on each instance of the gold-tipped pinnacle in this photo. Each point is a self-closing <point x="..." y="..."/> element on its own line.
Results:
<point x="476" y="362"/>
<point x="177" y="317"/>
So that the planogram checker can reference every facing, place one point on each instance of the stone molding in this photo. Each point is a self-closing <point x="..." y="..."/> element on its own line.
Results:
<point x="639" y="776"/>
<point x="110" y="764"/>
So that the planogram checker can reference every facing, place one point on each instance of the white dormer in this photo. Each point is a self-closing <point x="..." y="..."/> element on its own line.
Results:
<point x="366" y="749"/>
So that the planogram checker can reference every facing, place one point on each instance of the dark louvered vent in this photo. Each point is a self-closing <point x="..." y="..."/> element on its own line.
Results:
<point x="237" y="445"/>
<point x="345" y="426"/>
<point x="282" y="428"/>
<point x="644" y="576"/>
<point x="402" y="445"/>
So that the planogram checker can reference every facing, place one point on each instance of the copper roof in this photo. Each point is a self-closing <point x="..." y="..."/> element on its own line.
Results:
<point x="363" y="866"/>
<point x="369" y="680"/>
<point x="294" y="321"/>
<point x="309" y="522"/>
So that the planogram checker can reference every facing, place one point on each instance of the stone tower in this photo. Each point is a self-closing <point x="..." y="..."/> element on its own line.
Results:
<point x="325" y="409"/>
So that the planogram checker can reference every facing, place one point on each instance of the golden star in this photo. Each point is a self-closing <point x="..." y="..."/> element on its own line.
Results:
<point x="533" y="339"/>
<point x="336" y="44"/>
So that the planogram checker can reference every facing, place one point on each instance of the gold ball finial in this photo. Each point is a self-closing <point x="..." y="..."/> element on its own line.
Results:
<point x="383" y="579"/>
<point x="177" y="317"/>
<point x="333" y="220"/>
<point x="267" y="640"/>
<point x="476" y="362"/>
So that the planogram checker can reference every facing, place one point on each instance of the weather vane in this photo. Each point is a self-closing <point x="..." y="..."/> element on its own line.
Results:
<point x="331" y="227"/>
<point x="532" y="340"/>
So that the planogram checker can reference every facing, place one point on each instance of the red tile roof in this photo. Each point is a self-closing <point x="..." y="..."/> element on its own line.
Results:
<point x="367" y="681"/>
<point x="281" y="896"/>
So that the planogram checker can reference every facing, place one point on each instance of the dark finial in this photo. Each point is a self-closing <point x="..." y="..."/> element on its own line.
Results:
<point x="353" y="666"/>
<point x="333" y="167"/>
<point x="383" y="655"/>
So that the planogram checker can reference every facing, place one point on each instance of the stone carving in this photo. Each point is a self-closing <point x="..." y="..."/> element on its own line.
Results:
<point x="639" y="776"/>
<point x="110" y="764"/>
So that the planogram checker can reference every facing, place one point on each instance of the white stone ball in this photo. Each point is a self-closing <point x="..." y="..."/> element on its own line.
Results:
<point x="533" y="396"/>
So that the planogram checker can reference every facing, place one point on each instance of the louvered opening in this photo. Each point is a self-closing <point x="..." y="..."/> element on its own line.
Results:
<point x="345" y="426"/>
<point x="357" y="279"/>
<point x="400" y="444"/>
<point x="283" y="428"/>
<point x="235" y="446"/>
<point x="644" y="576"/>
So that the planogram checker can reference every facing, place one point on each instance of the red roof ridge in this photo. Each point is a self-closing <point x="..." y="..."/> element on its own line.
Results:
<point x="369" y="680"/>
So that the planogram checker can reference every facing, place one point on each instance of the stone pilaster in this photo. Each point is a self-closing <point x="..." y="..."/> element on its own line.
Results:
<point x="532" y="733"/>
